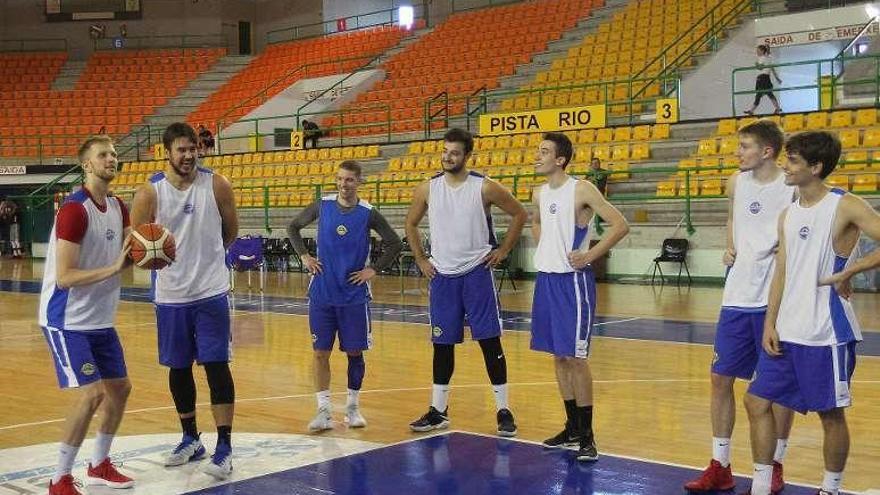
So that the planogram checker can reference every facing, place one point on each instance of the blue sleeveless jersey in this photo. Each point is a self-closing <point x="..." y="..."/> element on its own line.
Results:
<point x="343" y="248"/>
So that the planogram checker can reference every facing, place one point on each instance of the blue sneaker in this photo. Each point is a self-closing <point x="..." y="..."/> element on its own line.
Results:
<point x="189" y="449"/>
<point x="220" y="466"/>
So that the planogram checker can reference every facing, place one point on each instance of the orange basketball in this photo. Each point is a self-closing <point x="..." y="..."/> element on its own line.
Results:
<point x="152" y="247"/>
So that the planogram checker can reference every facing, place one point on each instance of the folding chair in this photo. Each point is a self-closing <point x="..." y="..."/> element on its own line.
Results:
<point x="246" y="255"/>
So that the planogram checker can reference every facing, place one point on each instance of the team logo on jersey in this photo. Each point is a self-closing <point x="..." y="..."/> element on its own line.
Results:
<point x="110" y="234"/>
<point x="553" y="208"/>
<point x="189" y="208"/>
<point x="804" y="232"/>
<point x="437" y="331"/>
<point x="341" y="230"/>
<point x="755" y="208"/>
<point x="314" y="338"/>
<point x="88" y="369"/>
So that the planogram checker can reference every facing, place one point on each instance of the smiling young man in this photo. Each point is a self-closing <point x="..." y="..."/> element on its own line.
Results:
<point x="88" y="247"/>
<point x="564" y="304"/>
<point x="339" y="293"/>
<point x="461" y="285"/>
<point x="811" y="331"/>
<point x="758" y="194"/>
<point x="192" y="311"/>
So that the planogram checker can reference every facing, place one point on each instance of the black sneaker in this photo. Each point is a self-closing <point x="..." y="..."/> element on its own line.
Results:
<point x="432" y="420"/>
<point x="565" y="439"/>
<point x="506" y="425"/>
<point x="587" y="451"/>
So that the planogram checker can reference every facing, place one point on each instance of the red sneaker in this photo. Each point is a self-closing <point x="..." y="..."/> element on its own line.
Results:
<point x="65" y="486"/>
<point x="106" y="474"/>
<point x="713" y="478"/>
<point x="777" y="483"/>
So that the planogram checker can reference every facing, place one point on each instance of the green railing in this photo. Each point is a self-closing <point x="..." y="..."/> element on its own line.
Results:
<point x="359" y="21"/>
<point x="38" y="207"/>
<point x="166" y="41"/>
<point x="465" y="5"/>
<point x="828" y="80"/>
<point x="34" y="45"/>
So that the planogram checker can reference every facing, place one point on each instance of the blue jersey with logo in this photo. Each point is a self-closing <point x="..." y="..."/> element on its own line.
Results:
<point x="343" y="248"/>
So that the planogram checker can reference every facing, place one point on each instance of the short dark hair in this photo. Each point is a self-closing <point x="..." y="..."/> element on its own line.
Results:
<point x="178" y="130"/>
<point x="89" y="142"/>
<point x="456" y="135"/>
<point x="766" y="133"/>
<point x="562" y="144"/>
<point x="351" y="166"/>
<point x="816" y="147"/>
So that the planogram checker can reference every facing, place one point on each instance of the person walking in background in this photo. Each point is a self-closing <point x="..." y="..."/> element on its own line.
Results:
<point x="763" y="84"/>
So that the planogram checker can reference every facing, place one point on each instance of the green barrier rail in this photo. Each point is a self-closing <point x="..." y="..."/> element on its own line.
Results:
<point x="382" y="17"/>
<point x="33" y="45"/>
<point x="165" y="41"/>
<point x="828" y="79"/>
<point x="465" y="5"/>
<point x="38" y="207"/>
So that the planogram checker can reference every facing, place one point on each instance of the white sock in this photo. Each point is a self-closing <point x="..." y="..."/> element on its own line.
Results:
<point x="762" y="479"/>
<point x="500" y="396"/>
<point x="353" y="397"/>
<point x="781" y="447"/>
<point x="440" y="397"/>
<point x="66" y="457"/>
<point x="721" y="450"/>
<point x="323" y="399"/>
<point x="832" y="481"/>
<point x="102" y="448"/>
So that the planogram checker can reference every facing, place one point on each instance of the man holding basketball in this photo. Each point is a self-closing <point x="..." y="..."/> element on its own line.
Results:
<point x="88" y="247"/>
<point x="192" y="311"/>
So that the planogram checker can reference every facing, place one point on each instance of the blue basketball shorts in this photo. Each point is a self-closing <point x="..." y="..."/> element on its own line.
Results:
<point x="472" y="296"/>
<point x="199" y="331"/>
<point x="82" y="357"/>
<point x="351" y="322"/>
<point x="563" y="313"/>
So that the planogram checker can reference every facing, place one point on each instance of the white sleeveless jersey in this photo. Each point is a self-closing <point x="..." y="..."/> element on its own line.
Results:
<point x="560" y="233"/>
<point x="461" y="231"/>
<point x="811" y="314"/>
<point x="756" y="209"/>
<point x="92" y="306"/>
<point x="199" y="270"/>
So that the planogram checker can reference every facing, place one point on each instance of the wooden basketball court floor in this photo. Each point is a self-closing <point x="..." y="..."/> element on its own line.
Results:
<point x="650" y="359"/>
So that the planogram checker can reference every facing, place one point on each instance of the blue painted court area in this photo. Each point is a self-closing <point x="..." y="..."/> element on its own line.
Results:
<point x="463" y="463"/>
<point x="655" y="329"/>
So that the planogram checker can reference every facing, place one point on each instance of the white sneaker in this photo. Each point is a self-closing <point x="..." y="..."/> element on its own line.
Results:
<point x="220" y="466"/>
<point x="322" y="421"/>
<point x="353" y="416"/>
<point x="189" y="449"/>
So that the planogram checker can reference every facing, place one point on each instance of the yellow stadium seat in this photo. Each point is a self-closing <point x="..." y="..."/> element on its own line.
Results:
<point x="415" y="147"/>
<point x="711" y="187"/>
<point x="660" y="131"/>
<point x="623" y="133"/>
<point x="841" y="118"/>
<point x="423" y="163"/>
<point x="347" y="153"/>
<point x="640" y="151"/>
<point x="620" y="152"/>
<point x="866" y="117"/>
<point x="871" y="138"/>
<point x="709" y="166"/>
<point x="642" y="133"/>
<point x="519" y="141"/>
<point x="726" y="127"/>
<point x="311" y="154"/>
<point x="360" y="152"/>
<point x="586" y="136"/>
<point x="247" y="159"/>
<point x="744" y="121"/>
<point x="728" y="145"/>
<point x="535" y="139"/>
<point x="666" y="189"/>
<point x="849" y="138"/>
<point x="839" y="181"/>
<point x="707" y="147"/>
<point x="816" y="121"/>
<point x="335" y="153"/>
<point x="499" y="158"/>
<point x="408" y="163"/>
<point x="694" y="188"/>
<point x="604" y="135"/>
<point x="620" y="169"/>
<point x="483" y="160"/>
<point x="515" y="157"/>
<point x="856" y="160"/>
<point x="602" y="152"/>
<point x="865" y="183"/>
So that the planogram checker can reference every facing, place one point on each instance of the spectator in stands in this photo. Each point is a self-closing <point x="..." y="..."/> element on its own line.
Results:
<point x="206" y="141"/>
<point x="7" y="218"/>
<point x="763" y="84"/>
<point x="311" y="132"/>
<point x="598" y="175"/>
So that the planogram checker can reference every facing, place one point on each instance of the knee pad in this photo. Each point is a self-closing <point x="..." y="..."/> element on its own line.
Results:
<point x="183" y="389"/>
<point x="220" y="382"/>
<point x="444" y="363"/>
<point x="496" y="362"/>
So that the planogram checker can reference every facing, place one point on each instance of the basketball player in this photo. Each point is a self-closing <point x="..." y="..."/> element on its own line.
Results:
<point x="810" y="333"/>
<point x="339" y="293"/>
<point x="88" y="247"/>
<point x="463" y="254"/>
<point x="563" y="308"/>
<point x="758" y="194"/>
<point x="192" y="311"/>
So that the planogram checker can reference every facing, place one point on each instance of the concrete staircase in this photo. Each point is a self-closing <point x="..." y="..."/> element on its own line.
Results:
<point x="69" y="74"/>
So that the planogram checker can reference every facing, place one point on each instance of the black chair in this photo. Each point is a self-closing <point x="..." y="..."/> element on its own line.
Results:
<point x="504" y="268"/>
<point x="672" y="251"/>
